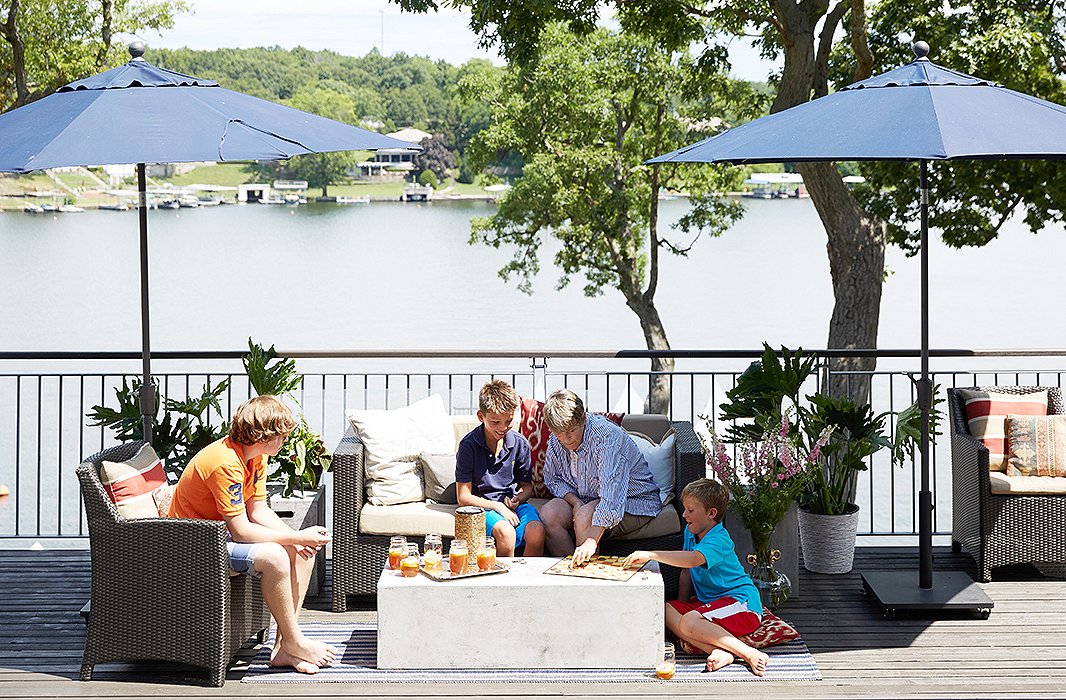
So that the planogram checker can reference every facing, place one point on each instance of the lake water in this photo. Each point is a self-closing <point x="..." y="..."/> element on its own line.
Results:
<point x="399" y="276"/>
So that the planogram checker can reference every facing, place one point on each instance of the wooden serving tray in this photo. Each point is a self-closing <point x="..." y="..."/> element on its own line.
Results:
<point x="447" y="575"/>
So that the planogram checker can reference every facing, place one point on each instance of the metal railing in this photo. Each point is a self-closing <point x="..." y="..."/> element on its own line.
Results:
<point x="44" y="432"/>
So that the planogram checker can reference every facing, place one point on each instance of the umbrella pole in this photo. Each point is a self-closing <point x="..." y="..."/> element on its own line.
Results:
<point x="925" y="397"/>
<point x="952" y="590"/>
<point x="147" y="393"/>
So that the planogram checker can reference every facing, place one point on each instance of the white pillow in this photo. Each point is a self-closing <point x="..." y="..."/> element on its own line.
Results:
<point x="660" y="460"/>
<point x="393" y="440"/>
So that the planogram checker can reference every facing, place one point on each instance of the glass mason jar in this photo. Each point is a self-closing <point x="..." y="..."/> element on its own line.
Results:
<point x="668" y="666"/>
<point x="486" y="558"/>
<point x="410" y="564"/>
<point x="433" y="552"/>
<point x="397" y="551"/>
<point x="457" y="554"/>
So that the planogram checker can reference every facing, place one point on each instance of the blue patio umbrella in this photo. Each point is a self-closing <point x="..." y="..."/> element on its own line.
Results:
<point x="138" y="114"/>
<point x="923" y="112"/>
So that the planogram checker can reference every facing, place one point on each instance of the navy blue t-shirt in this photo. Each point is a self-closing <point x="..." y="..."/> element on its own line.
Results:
<point x="493" y="478"/>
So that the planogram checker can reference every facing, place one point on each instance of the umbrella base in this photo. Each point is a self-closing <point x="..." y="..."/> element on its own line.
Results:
<point x="952" y="591"/>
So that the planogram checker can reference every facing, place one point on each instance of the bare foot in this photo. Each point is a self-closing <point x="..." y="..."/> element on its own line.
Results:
<point x="720" y="658"/>
<point x="280" y="658"/>
<point x="318" y="653"/>
<point x="757" y="661"/>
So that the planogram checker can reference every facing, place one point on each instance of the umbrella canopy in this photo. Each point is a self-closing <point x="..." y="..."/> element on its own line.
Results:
<point x="138" y="113"/>
<point x="920" y="111"/>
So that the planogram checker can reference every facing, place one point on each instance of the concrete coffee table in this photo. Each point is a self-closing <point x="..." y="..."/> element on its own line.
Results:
<point x="523" y="618"/>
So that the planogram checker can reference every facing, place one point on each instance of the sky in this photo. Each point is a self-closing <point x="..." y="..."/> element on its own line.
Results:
<point x="352" y="28"/>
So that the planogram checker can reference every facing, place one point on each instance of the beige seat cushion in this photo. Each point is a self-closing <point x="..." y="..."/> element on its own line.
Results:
<point x="407" y="519"/>
<point x="665" y="523"/>
<point x="1037" y="485"/>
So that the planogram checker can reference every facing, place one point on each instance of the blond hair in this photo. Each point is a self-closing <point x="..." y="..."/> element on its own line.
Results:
<point x="710" y="494"/>
<point x="261" y="420"/>
<point x="498" y="397"/>
<point x="563" y="411"/>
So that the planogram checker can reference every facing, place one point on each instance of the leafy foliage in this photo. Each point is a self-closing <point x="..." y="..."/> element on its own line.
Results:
<point x="181" y="429"/>
<point x="435" y="157"/>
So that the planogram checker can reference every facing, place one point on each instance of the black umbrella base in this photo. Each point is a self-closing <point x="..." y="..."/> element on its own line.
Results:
<point x="952" y="591"/>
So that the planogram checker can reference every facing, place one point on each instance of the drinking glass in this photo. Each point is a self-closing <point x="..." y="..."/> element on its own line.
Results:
<point x="666" y="668"/>
<point x="457" y="555"/>
<point x="409" y="565"/>
<point x="486" y="558"/>
<point x="433" y="552"/>
<point x="397" y="551"/>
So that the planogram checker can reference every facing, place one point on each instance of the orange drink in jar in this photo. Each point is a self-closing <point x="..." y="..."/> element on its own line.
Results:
<point x="397" y="551"/>
<point x="486" y="558"/>
<point x="409" y="564"/>
<point x="457" y="554"/>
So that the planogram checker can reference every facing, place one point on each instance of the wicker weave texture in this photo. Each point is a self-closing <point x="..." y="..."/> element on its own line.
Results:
<point x="161" y="588"/>
<point x="998" y="530"/>
<point x="357" y="557"/>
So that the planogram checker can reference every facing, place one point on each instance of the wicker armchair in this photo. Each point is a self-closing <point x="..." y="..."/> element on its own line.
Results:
<point x="1000" y="529"/>
<point x="358" y="557"/>
<point x="161" y="588"/>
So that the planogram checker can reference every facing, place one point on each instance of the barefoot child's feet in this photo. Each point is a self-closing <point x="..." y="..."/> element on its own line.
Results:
<point x="279" y="658"/>
<point x="757" y="660"/>
<point x="720" y="658"/>
<point x="318" y="653"/>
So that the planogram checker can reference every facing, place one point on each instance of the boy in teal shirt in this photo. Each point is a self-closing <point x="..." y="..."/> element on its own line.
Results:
<point x="727" y="604"/>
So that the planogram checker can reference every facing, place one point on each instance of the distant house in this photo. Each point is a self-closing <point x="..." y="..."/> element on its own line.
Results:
<point x="395" y="160"/>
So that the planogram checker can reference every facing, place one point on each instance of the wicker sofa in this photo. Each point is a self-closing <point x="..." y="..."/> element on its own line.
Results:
<point x="161" y="588"/>
<point x="991" y="520"/>
<point x="359" y="550"/>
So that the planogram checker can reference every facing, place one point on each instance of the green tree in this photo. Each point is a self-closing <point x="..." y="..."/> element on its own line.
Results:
<point x="48" y="43"/>
<point x="1024" y="39"/>
<point x="331" y="100"/>
<point x="584" y="118"/>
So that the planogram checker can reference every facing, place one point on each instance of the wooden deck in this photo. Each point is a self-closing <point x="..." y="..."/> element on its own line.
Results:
<point x="1020" y="651"/>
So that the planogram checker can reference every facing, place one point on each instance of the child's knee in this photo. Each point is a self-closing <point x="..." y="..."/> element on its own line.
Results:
<point x="504" y="533"/>
<point x="534" y="531"/>
<point x="689" y="622"/>
<point x="271" y="557"/>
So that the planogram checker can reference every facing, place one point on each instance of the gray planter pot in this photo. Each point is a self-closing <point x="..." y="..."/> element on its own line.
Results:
<point x="828" y="541"/>
<point x="300" y="511"/>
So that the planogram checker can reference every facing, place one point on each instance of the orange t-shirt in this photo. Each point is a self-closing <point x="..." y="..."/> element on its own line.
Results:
<point x="217" y="483"/>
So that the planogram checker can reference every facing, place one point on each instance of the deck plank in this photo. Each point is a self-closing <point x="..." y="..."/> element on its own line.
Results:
<point x="1018" y="651"/>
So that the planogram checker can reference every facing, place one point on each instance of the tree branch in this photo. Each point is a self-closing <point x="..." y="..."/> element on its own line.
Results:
<point x="825" y="46"/>
<point x="106" y="21"/>
<point x="9" y="29"/>
<point x="860" y="41"/>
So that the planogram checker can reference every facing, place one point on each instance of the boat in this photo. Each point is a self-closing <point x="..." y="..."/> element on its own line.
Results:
<point x="69" y="209"/>
<point x="31" y="208"/>
<point x="188" y="201"/>
<point x="169" y="204"/>
<point x="365" y="199"/>
<point x="114" y="207"/>
<point x="293" y="199"/>
<point x="416" y="193"/>
<point x="759" y="193"/>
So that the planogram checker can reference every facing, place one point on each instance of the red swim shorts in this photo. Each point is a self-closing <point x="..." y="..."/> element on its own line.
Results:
<point x="727" y="612"/>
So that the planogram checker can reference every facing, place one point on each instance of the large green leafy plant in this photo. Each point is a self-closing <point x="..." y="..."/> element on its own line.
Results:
<point x="303" y="458"/>
<point x="182" y="428"/>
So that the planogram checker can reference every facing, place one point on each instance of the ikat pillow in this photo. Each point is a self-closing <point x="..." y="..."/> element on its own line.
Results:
<point x="1036" y="445"/>
<point x="986" y="417"/>
<point x="773" y="630"/>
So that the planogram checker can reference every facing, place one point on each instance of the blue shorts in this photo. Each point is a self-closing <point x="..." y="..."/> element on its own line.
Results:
<point x="526" y="514"/>
<point x="242" y="557"/>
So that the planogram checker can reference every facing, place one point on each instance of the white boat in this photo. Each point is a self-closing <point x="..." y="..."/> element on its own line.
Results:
<point x="189" y="201"/>
<point x="50" y="207"/>
<point x="69" y="209"/>
<point x="169" y="204"/>
<point x="31" y="208"/>
<point x="114" y="207"/>
<point x="293" y="199"/>
<point x="365" y="199"/>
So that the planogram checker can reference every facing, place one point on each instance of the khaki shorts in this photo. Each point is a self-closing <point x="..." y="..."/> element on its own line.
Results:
<point x="629" y="523"/>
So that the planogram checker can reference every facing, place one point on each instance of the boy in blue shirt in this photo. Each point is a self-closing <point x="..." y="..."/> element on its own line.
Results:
<point x="727" y="603"/>
<point x="493" y="470"/>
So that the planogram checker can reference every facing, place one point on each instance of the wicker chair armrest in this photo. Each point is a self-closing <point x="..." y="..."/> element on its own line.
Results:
<point x="348" y="475"/>
<point x="184" y="550"/>
<point x="689" y="461"/>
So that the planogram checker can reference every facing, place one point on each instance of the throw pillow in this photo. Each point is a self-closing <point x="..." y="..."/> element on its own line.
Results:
<point x="533" y="428"/>
<point x="131" y="485"/>
<point x="660" y="458"/>
<point x="986" y="417"/>
<point x="1036" y="445"/>
<point x="438" y="471"/>
<point x="773" y="630"/>
<point x="393" y="440"/>
<point x="163" y="496"/>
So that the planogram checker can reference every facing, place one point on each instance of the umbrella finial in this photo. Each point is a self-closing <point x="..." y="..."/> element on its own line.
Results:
<point x="136" y="49"/>
<point x="920" y="49"/>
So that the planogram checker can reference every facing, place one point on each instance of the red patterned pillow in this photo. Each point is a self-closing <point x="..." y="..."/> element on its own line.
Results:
<point x="986" y="418"/>
<point x="773" y="630"/>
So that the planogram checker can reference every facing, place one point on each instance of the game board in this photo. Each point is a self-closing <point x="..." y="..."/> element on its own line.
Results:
<point x="601" y="567"/>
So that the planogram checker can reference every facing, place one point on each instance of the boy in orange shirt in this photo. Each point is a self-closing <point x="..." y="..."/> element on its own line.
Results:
<point x="227" y="481"/>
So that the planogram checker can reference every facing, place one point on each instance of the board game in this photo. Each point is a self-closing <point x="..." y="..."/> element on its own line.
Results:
<point x="600" y="566"/>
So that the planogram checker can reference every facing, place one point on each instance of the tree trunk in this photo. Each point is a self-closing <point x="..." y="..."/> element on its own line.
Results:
<point x="658" y="400"/>
<point x="856" y="240"/>
<point x="9" y="30"/>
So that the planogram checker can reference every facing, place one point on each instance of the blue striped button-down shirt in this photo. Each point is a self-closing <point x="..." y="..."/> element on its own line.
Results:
<point x="607" y="465"/>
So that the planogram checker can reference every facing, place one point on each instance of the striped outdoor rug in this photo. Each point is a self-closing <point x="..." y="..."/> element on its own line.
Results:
<point x="358" y="664"/>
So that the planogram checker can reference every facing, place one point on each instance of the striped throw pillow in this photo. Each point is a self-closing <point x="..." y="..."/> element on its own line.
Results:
<point x="134" y="485"/>
<point x="986" y="417"/>
<point x="1036" y="445"/>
